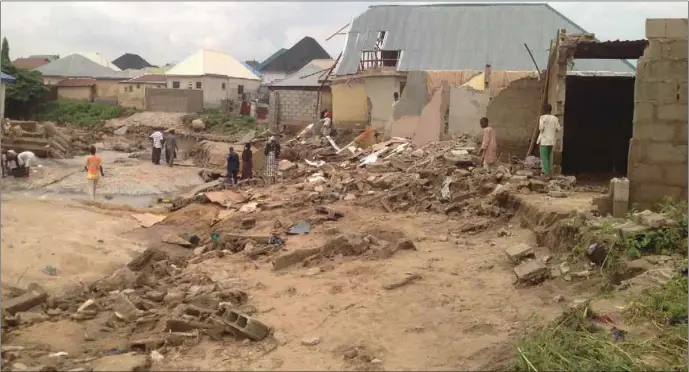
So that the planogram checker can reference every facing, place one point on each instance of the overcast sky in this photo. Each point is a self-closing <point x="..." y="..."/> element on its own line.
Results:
<point x="164" y="32"/>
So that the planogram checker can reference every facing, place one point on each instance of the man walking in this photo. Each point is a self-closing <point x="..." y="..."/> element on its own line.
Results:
<point x="94" y="169"/>
<point x="232" y="167"/>
<point x="548" y="127"/>
<point x="489" y="145"/>
<point x="170" y="144"/>
<point x="157" y="138"/>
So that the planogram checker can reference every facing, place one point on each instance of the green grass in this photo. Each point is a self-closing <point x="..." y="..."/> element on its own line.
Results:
<point x="85" y="114"/>
<point x="217" y="121"/>
<point x="574" y="343"/>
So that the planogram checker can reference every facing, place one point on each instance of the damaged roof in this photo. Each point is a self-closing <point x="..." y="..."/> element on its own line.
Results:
<point x="131" y="61"/>
<point x="307" y="76"/>
<point x="464" y="37"/>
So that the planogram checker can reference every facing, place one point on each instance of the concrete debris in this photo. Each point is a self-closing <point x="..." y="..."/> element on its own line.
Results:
<point x="520" y="252"/>
<point x="313" y="341"/>
<point x="531" y="272"/>
<point x="409" y="278"/>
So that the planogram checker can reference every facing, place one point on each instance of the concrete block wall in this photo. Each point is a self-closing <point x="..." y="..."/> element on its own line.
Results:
<point x="297" y="107"/>
<point x="658" y="148"/>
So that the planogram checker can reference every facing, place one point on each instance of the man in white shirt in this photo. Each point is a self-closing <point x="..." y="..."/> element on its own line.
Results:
<point x="548" y="127"/>
<point x="157" y="138"/>
<point x="24" y="161"/>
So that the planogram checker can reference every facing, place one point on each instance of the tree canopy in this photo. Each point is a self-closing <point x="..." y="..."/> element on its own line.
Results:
<point x="22" y="97"/>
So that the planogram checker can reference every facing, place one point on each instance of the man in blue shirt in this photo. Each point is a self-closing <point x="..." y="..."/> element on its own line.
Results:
<point x="232" y="166"/>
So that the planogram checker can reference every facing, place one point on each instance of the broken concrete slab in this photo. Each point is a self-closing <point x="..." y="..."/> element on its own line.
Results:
<point x="173" y="239"/>
<point x="346" y="244"/>
<point x="293" y="258"/>
<point x="519" y="252"/>
<point x="246" y="325"/>
<point x="126" y="309"/>
<point x="531" y="272"/>
<point x="122" y="362"/>
<point x="25" y="302"/>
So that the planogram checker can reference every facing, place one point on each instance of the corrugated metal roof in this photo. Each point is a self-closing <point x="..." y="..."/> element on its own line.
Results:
<point x="308" y="75"/>
<point x="77" y="82"/>
<point x="76" y="65"/>
<point x="263" y="64"/>
<point x="29" y="63"/>
<point x="464" y="37"/>
<point x="210" y="62"/>
<point x="96" y="57"/>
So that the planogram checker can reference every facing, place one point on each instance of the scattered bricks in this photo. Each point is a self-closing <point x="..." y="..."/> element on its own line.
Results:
<point x="25" y="302"/>
<point x="531" y="272"/>
<point x="156" y="296"/>
<point x="346" y="244"/>
<point x="247" y="325"/>
<point x="673" y="111"/>
<point x="519" y="252"/>
<point x="655" y="28"/>
<point x="676" y="28"/>
<point x="667" y="153"/>
<point x="294" y="258"/>
<point x="147" y="345"/>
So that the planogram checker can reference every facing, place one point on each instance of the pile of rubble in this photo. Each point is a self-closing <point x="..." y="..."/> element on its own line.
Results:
<point x="43" y="139"/>
<point x="153" y="302"/>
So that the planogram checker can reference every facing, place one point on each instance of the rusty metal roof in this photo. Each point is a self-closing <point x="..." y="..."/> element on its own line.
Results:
<point x="615" y="49"/>
<point x="464" y="37"/>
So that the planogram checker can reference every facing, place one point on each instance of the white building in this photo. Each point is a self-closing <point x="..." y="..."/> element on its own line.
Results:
<point x="220" y="76"/>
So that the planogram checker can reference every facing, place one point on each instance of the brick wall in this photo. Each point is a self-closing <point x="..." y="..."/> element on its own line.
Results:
<point x="658" y="148"/>
<point x="295" y="107"/>
<point x="174" y="100"/>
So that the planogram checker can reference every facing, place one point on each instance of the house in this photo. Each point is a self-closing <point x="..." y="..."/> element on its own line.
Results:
<point x="298" y="99"/>
<point x="129" y="61"/>
<point x="286" y="62"/>
<point x="4" y="79"/>
<point x="221" y="77"/>
<point x="133" y="91"/>
<point x="253" y="63"/>
<point x="96" y="57"/>
<point x="78" y="66"/>
<point x="387" y="42"/>
<point x="30" y="63"/>
<point x="49" y="57"/>
<point x="77" y="89"/>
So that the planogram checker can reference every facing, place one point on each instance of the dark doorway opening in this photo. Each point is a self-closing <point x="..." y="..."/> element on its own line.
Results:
<point x="598" y="126"/>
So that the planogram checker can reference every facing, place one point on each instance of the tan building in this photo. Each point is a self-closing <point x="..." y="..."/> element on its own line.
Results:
<point x="77" y="89"/>
<point x="132" y="92"/>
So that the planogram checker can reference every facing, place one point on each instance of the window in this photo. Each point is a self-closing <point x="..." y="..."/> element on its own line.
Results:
<point x="402" y="85"/>
<point x="175" y="84"/>
<point x="190" y="85"/>
<point x="198" y="85"/>
<point x="223" y="86"/>
<point x="138" y="86"/>
<point x="240" y="90"/>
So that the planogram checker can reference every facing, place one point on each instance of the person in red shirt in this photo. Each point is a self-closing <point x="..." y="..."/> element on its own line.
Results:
<point x="94" y="170"/>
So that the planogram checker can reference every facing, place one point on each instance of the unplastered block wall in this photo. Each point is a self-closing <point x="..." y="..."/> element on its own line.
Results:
<point x="297" y="107"/>
<point x="514" y="113"/>
<point x="658" y="148"/>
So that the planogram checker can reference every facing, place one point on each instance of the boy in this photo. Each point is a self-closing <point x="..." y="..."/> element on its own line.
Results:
<point x="548" y="127"/>
<point x="93" y="166"/>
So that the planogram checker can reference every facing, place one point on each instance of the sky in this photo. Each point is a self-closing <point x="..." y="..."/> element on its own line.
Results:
<point x="163" y="32"/>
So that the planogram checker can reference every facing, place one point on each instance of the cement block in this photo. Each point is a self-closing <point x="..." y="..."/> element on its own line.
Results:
<point x="682" y="93"/>
<point x="658" y="132"/>
<point x="619" y="189"/>
<point x="655" y="28"/>
<point x="674" y="49"/>
<point x="682" y="135"/>
<point x="675" y="175"/>
<point x="519" y="252"/>
<point x="531" y="272"/>
<point x="664" y="70"/>
<point x="666" y="153"/>
<point x="656" y="91"/>
<point x="637" y="150"/>
<point x="645" y="172"/>
<point x="676" y="28"/>
<point x="654" y="193"/>
<point x="644" y="111"/>
<point x="25" y="302"/>
<point x="673" y="112"/>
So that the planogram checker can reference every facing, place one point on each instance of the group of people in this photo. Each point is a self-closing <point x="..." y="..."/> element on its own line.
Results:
<point x="272" y="155"/>
<point x="548" y="127"/>
<point x="167" y="142"/>
<point x="23" y="162"/>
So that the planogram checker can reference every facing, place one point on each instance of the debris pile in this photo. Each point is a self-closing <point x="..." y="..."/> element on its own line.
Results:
<point x="43" y="139"/>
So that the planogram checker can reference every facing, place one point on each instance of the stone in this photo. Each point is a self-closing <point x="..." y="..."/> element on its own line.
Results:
<point x="351" y="353"/>
<point x="121" y="362"/>
<point x="119" y="280"/>
<point x="120" y="131"/>
<point x="531" y="272"/>
<point x="519" y="252"/>
<point x="248" y="223"/>
<point x="198" y="125"/>
<point x="538" y="186"/>
<point x="122" y="147"/>
<point x="524" y="173"/>
<point x="293" y="258"/>
<point x="350" y="197"/>
<point x="653" y="220"/>
<point x="156" y="296"/>
<point x="313" y="341"/>
<point x="557" y="194"/>
<point x="125" y="308"/>
<point x="345" y="244"/>
<point x="285" y="165"/>
<point x="25" y="302"/>
<point x="406" y="245"/>
<point x="564" y="268"/>
<point x="418" y="153"/>
<point x="31" y="317"/>
<point x="19" y="367"/>
<point x="200" y="250"/>
<point x="176" y="240"/>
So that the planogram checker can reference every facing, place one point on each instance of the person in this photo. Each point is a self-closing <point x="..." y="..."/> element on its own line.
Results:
<point x="170" y="144"/>
<point x="327" y="124"/>
<point x="247" y="162"/>
<point x="7" y="155"/>
<point x="93" y="166"/>
<point x="232" y="166"/>
<point x="272" y="153"/>
<point x="489" y="145"/>
<point x="23" y="162"/>
<point x="157" y="138"/>
<point x="548" y="127"/>
<point x="395" y="98"/>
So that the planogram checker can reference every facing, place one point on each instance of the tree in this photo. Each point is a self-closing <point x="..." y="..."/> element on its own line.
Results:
<point x="27" y="93"/>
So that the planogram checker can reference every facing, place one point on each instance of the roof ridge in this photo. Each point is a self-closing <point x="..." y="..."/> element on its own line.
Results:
<point x="455" y="5"/>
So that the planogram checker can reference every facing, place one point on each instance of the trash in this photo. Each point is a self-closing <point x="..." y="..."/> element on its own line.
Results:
<point x="156" y="357"/>
<point x="316" y="178"/>
<point x="276" y="240"/>
<point x="58" y="354"/>
<point x="445" y="188"/>
<point x="301" y="227"/>
<point x="215" y="237"/>
<point x="311" y="341"/>
<point x="596" y="253"/>
<point x="248" y="207"/>
<point x="50" y="269"/>
<point x="617" y="334"/>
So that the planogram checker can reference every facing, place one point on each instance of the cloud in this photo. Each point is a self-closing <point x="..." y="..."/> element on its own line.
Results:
<point x="165" y="32"/>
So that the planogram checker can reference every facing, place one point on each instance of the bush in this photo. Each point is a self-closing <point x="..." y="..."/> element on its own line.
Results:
<point x="226" y="123"/>
<point x="86" y="114"/>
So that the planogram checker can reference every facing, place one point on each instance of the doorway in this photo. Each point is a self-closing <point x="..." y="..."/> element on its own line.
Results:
<point x="599" y="112"/>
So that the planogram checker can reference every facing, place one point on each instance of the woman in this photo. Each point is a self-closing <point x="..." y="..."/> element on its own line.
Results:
<point x="247" y="162"/>
<point x="272" y="153"/>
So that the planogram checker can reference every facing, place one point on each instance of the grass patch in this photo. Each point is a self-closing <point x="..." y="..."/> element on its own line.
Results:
<point x="220" y="122"/>
<point x="85" y="114"/>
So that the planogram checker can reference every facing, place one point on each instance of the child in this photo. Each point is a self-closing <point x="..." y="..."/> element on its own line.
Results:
<point x="548" y="127"/>
<point x="93" y="166"/>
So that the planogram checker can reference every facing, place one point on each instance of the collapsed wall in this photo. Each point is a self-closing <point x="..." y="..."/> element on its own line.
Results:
<point x="514" y="113"/>
<point x="657" y="164"/>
